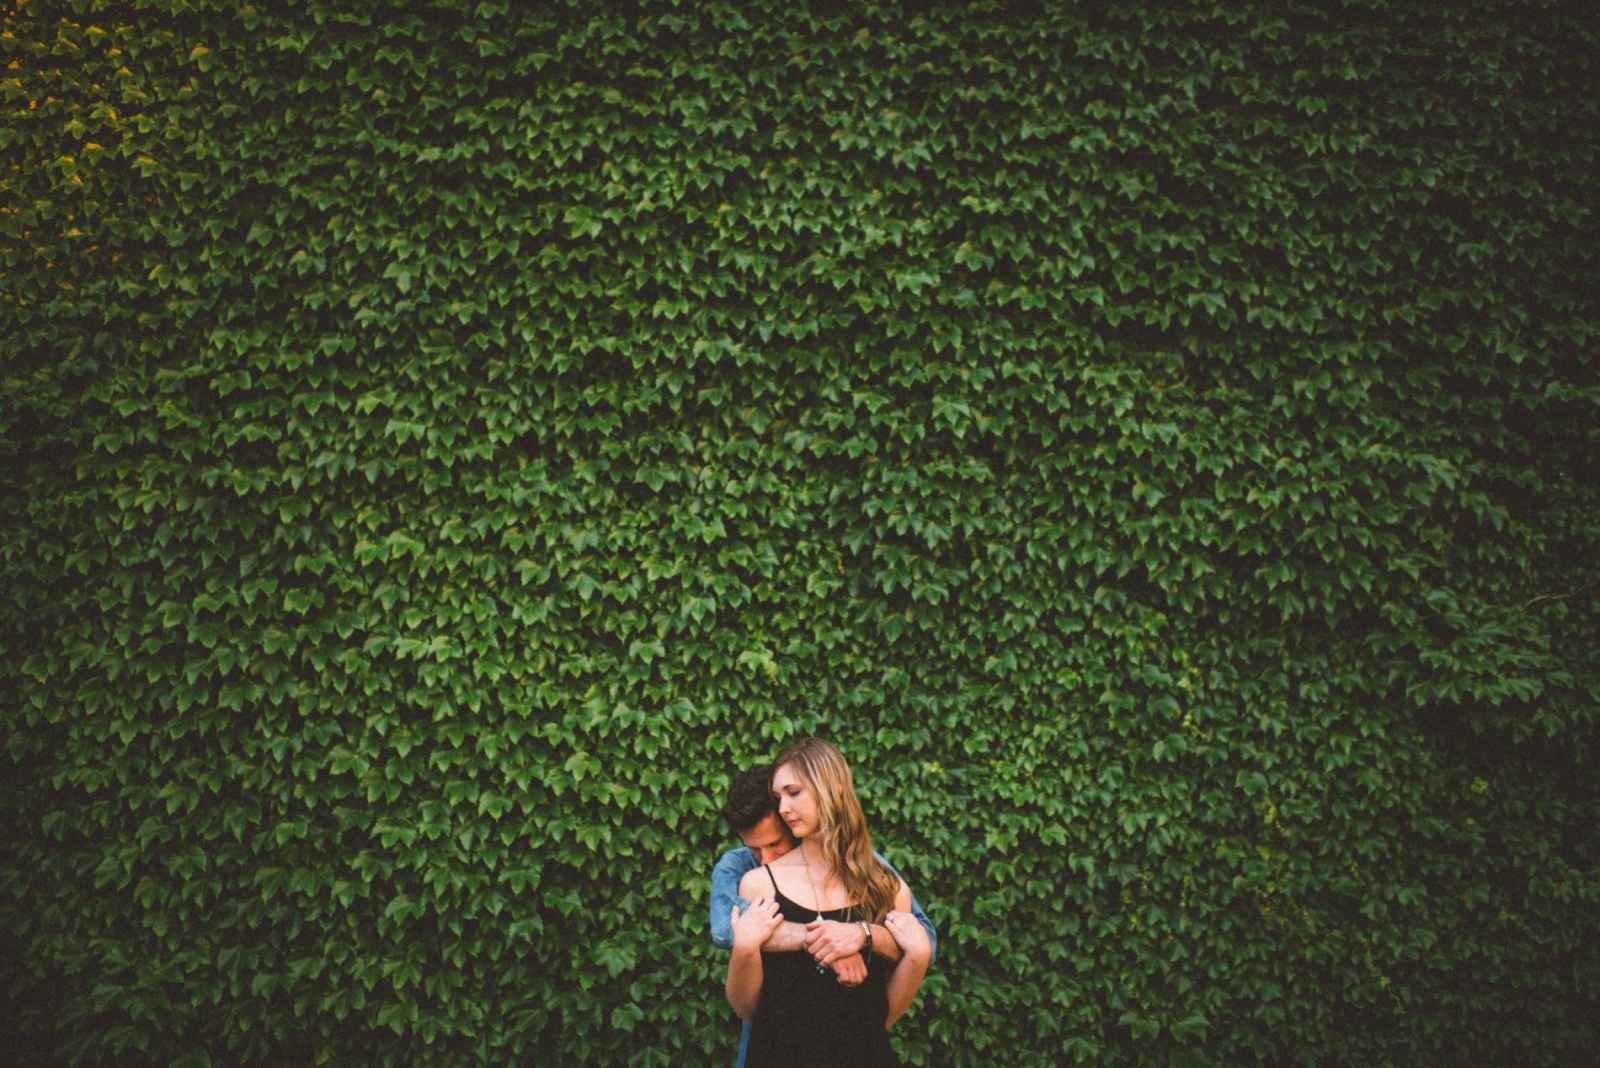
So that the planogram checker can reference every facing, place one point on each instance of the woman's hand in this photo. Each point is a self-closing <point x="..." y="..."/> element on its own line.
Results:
<point x="909" y="935"/>
<point x="755" y="925"/>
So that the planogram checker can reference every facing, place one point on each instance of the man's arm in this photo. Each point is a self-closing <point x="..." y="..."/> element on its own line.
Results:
<point x="831" y="941"/>
<point x="927" y="927"/>
<point x="788" y="938"/>
<point x="725" y="877"/>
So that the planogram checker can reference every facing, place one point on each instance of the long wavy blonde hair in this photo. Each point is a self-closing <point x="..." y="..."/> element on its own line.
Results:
<point x="842" y="826"/>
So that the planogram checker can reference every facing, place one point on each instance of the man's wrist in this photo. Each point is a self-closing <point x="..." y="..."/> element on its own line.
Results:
<point x="788" y="937"/>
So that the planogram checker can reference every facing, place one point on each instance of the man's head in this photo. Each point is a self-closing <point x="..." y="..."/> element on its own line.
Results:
<point x="752" y="813"/>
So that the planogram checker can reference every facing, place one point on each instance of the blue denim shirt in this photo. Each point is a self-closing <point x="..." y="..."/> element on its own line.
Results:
<point x="731" y="867"/>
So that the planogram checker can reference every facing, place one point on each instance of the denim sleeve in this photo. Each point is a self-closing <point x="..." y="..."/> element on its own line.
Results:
<point x="920" y="916"/>
<point x="927" y="925"/>
<point x="731" y="867"/>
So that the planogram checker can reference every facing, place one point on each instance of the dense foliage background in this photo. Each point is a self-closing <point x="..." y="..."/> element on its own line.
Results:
<point x="440" y="443"/>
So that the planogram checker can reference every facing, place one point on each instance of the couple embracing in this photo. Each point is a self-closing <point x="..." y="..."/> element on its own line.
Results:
<point x="828" y="945"/>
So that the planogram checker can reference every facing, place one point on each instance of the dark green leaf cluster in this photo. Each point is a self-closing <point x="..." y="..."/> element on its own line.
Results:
<point x="442" y="442"/>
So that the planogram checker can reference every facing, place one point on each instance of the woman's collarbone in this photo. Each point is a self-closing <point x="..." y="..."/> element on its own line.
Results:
<point x="832" y="893"/>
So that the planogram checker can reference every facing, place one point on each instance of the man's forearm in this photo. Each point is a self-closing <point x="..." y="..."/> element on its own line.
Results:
<point x="725" y="894"/>
<point x="830" y="941"/>
<point x="788" y="938"/>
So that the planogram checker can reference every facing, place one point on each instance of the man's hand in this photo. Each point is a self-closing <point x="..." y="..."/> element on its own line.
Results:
<point x="851" y="971"/>
<point x="830" y="942"/>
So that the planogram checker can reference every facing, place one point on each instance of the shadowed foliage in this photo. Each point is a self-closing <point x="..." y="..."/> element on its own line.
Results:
<point x="441" y="443"/>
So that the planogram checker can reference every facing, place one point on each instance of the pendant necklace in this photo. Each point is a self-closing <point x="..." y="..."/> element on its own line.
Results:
<point x="822" y="969"/>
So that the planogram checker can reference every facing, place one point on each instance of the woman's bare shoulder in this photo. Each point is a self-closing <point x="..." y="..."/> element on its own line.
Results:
<point x="754" y="884"/>
<point x="788" y="870"/>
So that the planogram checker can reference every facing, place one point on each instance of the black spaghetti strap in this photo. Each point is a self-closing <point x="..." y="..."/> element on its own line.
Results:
<point x="775" y="889"/>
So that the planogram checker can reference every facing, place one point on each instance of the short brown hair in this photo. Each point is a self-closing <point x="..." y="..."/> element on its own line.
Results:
<point x="750" y="799"/>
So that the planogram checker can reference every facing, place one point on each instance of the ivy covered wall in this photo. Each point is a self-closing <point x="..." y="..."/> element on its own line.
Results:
<point x="440" y="443"/>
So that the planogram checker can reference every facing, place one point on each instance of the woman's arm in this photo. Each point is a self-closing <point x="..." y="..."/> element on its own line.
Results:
<point x="750" y="929"/>
<point x="906" y="979"/>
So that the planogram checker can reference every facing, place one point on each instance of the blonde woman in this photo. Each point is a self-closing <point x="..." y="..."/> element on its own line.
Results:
<point x="801" y="1014"/>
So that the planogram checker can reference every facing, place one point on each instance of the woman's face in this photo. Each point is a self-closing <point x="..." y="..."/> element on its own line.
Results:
<point x="797" y="805"/>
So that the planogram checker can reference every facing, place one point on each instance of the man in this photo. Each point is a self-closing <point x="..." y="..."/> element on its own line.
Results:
<point x="752" y="814"/>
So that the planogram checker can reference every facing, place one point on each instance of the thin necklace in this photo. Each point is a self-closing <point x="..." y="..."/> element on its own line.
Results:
<point x="814" y="895"/>
<point x="822" y="969"/>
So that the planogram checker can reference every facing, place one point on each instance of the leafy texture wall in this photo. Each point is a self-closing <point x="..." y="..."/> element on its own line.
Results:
<point x="442" y="442"/>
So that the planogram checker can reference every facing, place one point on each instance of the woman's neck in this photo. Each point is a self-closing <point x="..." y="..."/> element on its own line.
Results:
<point x="812" y="853"/>
<point x="821" y="873"/>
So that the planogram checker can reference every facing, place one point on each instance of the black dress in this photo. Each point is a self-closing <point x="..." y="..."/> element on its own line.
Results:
<point x="806" y="1020"/>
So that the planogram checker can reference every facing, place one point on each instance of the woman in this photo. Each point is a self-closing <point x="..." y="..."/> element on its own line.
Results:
<point x="802" y="1015"/>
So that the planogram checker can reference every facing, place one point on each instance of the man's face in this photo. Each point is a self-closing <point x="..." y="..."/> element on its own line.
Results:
<point x="769" y="839"/>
